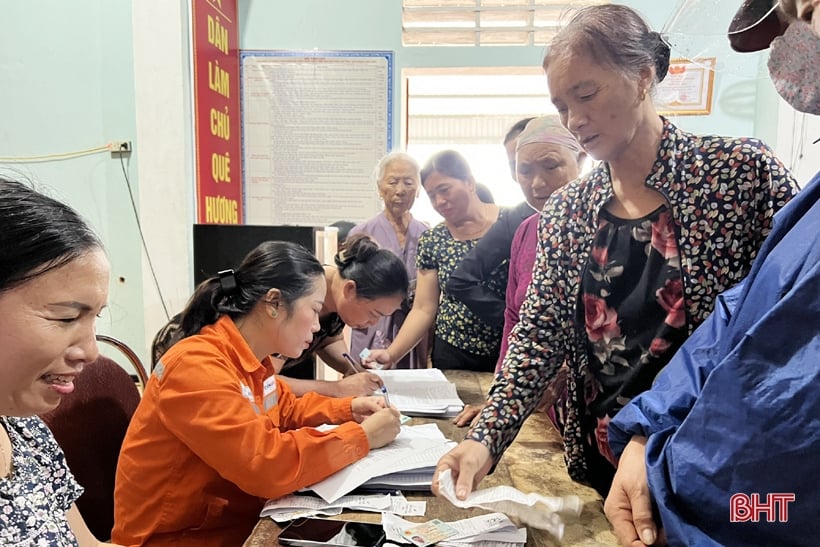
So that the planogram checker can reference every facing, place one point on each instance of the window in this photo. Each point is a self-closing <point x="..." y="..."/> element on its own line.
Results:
<point x="484" y="22"/>
<point x="470" y="110"/>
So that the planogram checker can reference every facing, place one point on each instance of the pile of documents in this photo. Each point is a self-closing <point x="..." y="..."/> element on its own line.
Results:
<point x="422" y="392"/>
<point x="407" y="463"/>
<point x="296" y="506"/>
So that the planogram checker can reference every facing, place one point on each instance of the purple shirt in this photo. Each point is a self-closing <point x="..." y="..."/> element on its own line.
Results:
<point x="382" y="333"/>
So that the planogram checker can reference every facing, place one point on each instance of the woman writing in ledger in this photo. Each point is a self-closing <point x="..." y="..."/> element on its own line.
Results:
<point x="632" y="256"/>
<point x="217" y="432"/>
<point x="364" y="284"/>
<point x="462" y="340"/>
<point x="53" y="284"/>
<point x="395" y="229"/>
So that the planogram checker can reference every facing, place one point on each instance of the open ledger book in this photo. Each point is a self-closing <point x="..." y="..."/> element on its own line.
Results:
<point x="422" y="392"/>
<point x="406" y="463"/>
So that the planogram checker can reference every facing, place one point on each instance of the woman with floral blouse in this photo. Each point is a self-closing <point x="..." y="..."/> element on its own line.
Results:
<point x="53" y="286"/>
<point x="630" y="257"/>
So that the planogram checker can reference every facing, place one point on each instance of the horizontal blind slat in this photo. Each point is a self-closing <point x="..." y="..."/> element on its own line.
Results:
<point x="484" y="22"/>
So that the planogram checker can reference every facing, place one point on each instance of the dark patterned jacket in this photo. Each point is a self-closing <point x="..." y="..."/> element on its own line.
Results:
<point x="723" y="193"/>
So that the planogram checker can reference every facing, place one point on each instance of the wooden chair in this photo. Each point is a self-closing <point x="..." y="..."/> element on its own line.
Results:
<point x="90" y="425"/>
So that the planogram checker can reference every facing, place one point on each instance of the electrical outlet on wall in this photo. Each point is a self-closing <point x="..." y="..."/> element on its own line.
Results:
<point x="120" y="147"/>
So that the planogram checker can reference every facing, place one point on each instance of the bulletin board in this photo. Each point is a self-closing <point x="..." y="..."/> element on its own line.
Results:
<point x="314" y="125"/>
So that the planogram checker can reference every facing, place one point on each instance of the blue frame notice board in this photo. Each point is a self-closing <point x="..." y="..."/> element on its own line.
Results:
<point x="314" y="125"/>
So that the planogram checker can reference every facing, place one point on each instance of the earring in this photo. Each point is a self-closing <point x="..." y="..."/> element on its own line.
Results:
<point x="274" y="313"/>
<point x="643" y="94"/>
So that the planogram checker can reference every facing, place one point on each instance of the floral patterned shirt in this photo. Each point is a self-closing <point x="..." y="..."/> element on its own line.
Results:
<point x="455" y="323"/>
<point x="722" y="193"/>
<point x="34" y="498"/>
<point x="632" y="299"/>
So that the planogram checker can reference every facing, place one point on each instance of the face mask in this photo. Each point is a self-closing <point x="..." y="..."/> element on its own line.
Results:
<point x="794" y="65"/>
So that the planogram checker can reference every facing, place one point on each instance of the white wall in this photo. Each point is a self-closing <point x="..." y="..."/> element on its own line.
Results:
<point x="165" y="134"/>
<point x="797" y="134"/>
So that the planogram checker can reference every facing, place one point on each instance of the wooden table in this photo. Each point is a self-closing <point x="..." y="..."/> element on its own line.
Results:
<point x="533" y="463"/>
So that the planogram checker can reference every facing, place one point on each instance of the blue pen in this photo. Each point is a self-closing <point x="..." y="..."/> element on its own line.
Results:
<point x="386" y="397"/>
<point x="356" y="369"/>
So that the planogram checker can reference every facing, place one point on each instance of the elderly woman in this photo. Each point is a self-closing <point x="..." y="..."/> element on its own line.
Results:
<point x="734" y="414"/>
<point x="53" y="284"/>
<point x="462" y="340"/>
<point x="398" y="183"/>
<point x="548" y="157"/>
<point x="630" y="257"/>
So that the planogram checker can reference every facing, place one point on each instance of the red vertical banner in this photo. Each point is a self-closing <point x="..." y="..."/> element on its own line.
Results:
<point x="216" y="112"/>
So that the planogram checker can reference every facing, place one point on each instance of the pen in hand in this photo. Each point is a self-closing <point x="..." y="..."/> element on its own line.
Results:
<point x="351" y="364"/>
<point x="356" y="369"/>
<point x="386" y="397"/>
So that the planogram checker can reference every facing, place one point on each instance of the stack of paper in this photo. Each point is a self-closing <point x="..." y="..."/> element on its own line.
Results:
<point x="295" y="506"/>
<point x="422" y="392"/>
<point x="415" y="451"/>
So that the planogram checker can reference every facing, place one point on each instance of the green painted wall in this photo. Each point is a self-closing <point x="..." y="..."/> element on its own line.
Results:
<point x="66" y="73"/>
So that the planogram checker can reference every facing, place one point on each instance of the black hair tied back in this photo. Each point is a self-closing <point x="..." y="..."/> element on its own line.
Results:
<point x="357" y="249"/>
<point x="662" y="54"/>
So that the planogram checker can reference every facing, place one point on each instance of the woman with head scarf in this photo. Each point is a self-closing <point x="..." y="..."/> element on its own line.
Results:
<point x="548" y="157"/>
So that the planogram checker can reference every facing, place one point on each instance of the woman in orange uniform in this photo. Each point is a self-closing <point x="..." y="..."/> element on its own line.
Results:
<point x="216" y="434"/>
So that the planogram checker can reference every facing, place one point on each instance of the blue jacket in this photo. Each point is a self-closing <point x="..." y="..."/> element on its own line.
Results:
<point x="737" y="410"/>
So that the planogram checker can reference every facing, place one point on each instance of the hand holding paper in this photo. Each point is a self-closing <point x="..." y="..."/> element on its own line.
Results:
<point x="377" y="359"/>
<point x="532" y="509"/>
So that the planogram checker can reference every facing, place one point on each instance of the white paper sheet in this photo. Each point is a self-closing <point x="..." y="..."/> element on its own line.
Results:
<point x="415" y="447"/>
<point x="494" y="528"/>
<point x="291" y="507"/>
<point x="535" y="510"/>
<point x="421" y="392"/>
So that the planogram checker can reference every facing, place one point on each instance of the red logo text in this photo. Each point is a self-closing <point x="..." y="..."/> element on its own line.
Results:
<point x="745" y="508"/>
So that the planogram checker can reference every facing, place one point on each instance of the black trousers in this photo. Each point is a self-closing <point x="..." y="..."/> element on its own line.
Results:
<point x="447" y="357"/>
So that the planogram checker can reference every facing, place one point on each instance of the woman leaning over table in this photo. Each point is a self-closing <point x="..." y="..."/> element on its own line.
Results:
<point x="631" y="256"/>
<point x="217" y="432"/>
<point x="395" y="229"/>
<point x="462" y="340"/>
<point x="364" y="284"/>
<point x="53" y="284"/>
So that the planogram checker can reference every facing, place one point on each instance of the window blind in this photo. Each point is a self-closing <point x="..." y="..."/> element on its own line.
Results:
<point x="484" y="22"/>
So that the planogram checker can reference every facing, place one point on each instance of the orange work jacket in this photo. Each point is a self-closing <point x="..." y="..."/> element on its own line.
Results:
<point x="215" y="435"/>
